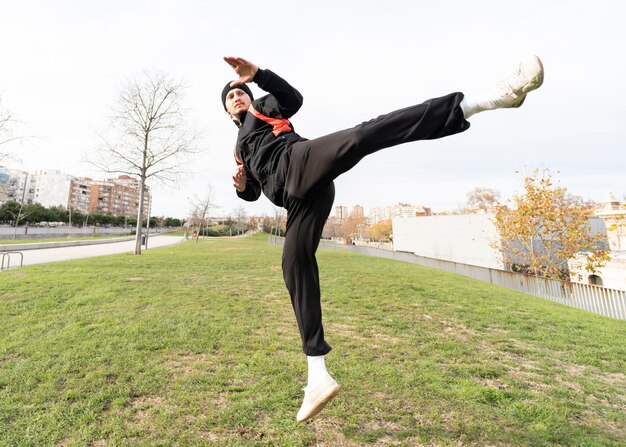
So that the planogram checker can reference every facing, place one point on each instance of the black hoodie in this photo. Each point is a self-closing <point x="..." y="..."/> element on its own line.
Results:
<point x="266" y="136"/>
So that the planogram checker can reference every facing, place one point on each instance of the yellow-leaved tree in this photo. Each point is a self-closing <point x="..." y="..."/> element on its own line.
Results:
<point x="381" y="231"/>
<point x="543" y="228"/>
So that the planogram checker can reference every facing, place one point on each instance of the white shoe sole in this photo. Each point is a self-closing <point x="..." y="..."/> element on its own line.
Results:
<point x="317" y="406"/>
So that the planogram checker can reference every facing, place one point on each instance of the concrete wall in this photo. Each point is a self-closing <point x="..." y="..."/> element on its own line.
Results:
<point x="464" y="239"/>
<point x="7" y="232"/>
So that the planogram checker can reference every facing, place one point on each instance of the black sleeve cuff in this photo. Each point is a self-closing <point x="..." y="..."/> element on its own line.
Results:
<point x="260" y="76"/>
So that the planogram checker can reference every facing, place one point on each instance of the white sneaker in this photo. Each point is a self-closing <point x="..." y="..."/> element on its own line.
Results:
<point x="528" y="77"/>
<point x="316" y="398"/>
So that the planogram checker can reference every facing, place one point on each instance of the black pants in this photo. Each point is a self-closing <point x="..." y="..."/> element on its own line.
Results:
<point x="313" y="165"/>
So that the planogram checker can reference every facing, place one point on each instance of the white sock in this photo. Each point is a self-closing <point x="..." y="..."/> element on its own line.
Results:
<point x="317" y="370"/>
<point x="474" y="104"/>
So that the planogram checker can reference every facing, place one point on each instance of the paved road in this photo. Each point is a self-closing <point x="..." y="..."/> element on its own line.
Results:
<point x="87" y="251"/>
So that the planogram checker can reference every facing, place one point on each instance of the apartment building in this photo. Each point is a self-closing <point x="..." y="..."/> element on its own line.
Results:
<point x="399" y="210"/>
<point x="358" y="212"/>
<point x="80" y="194"/>
<point x="341" y="212"/>
<point x="118" y="196"/>
<point x="15" y="185"/>
<point x="51" y="188"/>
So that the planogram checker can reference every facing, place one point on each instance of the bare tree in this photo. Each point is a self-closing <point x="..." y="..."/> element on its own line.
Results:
<point x="483" y="199"/>
<point x="332" y="228"/>
<point x="201" y="208"/>
<point x="240" y="218"/>
<point x="230" y="223"/>
<point x="6" y="119"/>
<point x="280" y="220"/>
<point x="353" y="226"/>
<point x="150" y="136"/>
<point x="14" y="211"/>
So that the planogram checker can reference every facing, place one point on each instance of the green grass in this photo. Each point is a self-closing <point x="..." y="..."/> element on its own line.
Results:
<point x="180" y="232"/>
<point x="196" y="344"/>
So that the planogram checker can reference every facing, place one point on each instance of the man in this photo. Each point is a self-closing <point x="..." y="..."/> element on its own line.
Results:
<point x="298" y="174"/>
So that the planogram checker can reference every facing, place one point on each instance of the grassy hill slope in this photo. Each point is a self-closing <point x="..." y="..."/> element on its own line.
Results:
<point x="198" y="345"/>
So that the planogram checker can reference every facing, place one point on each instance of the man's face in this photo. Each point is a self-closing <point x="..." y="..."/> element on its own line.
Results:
<point x="237" y="102"/>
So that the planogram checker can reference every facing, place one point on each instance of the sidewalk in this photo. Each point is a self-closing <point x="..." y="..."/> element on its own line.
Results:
<point x="41" y="256"/>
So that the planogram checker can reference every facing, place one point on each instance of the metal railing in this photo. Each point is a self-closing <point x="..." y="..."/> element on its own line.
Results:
<point x="7" y="255"/>
<point x="596" y="299"/>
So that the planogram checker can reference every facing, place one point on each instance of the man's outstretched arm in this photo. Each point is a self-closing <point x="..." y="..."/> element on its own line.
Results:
<point x="283" y="99"/>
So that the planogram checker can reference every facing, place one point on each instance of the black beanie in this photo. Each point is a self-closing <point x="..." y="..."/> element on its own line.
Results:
<point x="228" y="88"/>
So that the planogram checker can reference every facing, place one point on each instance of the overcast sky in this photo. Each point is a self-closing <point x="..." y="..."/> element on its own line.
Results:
<point x="63" y="63"/>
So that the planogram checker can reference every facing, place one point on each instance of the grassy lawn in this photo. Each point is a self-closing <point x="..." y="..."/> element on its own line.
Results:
<point x="196" y="344"/>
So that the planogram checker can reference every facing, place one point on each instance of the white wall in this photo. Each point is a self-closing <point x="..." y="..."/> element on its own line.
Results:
<point x="464" y="238"/>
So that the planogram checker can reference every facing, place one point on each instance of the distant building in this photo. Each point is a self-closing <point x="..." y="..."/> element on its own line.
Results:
<point x="51" y="188"/>
<point x="14" y="186"/>
<point x="341" y="212"/>
<point x="613" y="274"/>
<point x="613" y="213"/>
<point x="357" y="212"/>
<point x="399" y="210"/>
<point x="80" y="194"/>
<point x="118" y="196"/>
<point x="5" y="178"/>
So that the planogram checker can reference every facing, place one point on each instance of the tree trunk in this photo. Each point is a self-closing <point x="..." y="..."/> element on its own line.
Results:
<point x="139" y="228"/>
<point x="142" y="188"/>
